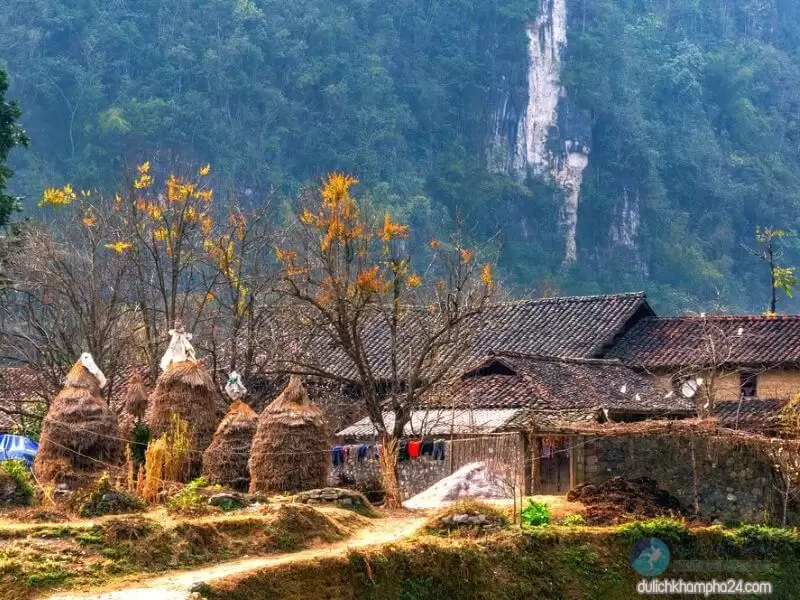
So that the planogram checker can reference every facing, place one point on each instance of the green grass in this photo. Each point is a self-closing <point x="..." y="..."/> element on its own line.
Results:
<point x="548" y="562"/>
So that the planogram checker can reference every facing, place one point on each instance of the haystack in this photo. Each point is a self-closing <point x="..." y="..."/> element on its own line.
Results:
<point x="185" y="389"/>
<point x="291" y="447"/>
<point x="79" y="438"/>
<point x="225" y="460"/>
<point x="134" y="408"/>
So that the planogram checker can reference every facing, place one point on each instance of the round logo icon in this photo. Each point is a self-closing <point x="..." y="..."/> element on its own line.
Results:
<point x="650" y="557"/>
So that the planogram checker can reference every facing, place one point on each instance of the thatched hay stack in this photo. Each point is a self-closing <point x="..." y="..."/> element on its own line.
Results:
<point x="136" y="398"/>
<point x="225" y="460"/>
<point x="290" y="450"/>
<point x="135" y="406"/>
<point x="79" y="436"/>
<point x="185" y="389"/>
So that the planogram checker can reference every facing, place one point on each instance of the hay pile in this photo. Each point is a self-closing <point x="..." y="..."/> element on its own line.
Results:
<point x="291" y="450"/>
<point x="225" y="460"/>
<point x="619" y="500"/>
<point x="79" y="433"/>
<point x="185" y="390"/>
<point x="134" y="408"/>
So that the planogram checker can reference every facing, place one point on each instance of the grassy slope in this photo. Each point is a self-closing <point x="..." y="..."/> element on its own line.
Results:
<point x="554" y="563"/>
<point x="66" y="556"/>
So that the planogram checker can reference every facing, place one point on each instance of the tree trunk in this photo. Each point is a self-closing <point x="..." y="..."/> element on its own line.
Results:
<point x="389" y="477"/>
<point x="695" y="485"/>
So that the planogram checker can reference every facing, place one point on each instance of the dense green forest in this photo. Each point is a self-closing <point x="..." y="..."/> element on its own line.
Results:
<point x="693" y="108"/>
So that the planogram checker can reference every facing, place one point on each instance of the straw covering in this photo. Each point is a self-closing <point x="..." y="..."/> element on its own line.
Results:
<point x="187" y="390"/>
<point x="291" y="445"/>
<point x="79" y="436"/>
<point x="225" y="460"/>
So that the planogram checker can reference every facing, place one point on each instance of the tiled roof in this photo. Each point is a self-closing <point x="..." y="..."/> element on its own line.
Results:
<point x="670" y="342"/>
<point x="541" y="383"/>
<point x="439" y="422"/>
<point x="20" y="389"/>
<point x="750" y="414"/>
<point x="576" y="326"/>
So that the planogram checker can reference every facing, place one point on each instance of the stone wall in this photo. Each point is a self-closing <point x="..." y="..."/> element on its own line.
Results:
<point x="418" y="474"/>
<point x="733" y="482"/>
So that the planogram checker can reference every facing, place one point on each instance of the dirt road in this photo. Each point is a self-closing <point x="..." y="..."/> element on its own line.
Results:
<point x="176" y="586"/>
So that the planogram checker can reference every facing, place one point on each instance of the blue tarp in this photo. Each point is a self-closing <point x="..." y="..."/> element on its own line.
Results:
<point x="18" y="447"/>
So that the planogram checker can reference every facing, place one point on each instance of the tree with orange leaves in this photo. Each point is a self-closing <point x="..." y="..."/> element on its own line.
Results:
<point x="348" y="274"/>
<point x="164" y="231"/>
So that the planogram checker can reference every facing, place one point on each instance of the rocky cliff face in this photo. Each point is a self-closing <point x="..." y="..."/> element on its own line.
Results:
<point x="553" y="140"/>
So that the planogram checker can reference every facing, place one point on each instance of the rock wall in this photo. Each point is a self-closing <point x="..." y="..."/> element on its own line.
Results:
<point x="553" y="138"/>
<point x="732" y="482"/>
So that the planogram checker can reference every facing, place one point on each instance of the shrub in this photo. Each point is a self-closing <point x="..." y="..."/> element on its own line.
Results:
<point x="191" y="500"/>
<point x="666" y="529"/>
<point x="535" y="514"/>
<point x="575" y="520"/>
<point x="760" y="540"/>
<point x="103" y="499"/>
<point x="165" y="459"/>
<point x="140" y="437"/>
<point x="17" y="470"/>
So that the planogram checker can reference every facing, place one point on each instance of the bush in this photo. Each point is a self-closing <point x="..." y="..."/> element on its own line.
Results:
<point x="666" y="529"/>
<point x="140" y="437"/>
<point x="761" y="540"/>
<point x="18" y="472"/>
<point x="193" y="499"/>
<point x="535" y="514"/>
<point x="103" y="499"/>
<point x="575" y="520"/>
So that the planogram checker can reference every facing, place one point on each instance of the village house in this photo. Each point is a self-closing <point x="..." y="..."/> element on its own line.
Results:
<point x="740" y="369"/>
<point x="519" y="410"/>
<point x="552" y="390"/>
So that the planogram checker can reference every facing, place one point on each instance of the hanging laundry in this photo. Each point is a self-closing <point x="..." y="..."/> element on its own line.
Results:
<point x="336" y="456"/>
<point x="438" y="449"/>
<point x="427" y="448"/>
<point x="414" y="448"/>
<point x="402" y="451"/>
<point x="361" y="453"/>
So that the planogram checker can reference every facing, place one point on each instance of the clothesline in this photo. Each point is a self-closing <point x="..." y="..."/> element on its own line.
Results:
<point x="406" y="450"/>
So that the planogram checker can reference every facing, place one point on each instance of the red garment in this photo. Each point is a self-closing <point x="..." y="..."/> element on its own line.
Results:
<point x="414" y="448"/>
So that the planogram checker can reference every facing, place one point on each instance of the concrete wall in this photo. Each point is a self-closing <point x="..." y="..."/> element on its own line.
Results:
<point x="733" y="482"/>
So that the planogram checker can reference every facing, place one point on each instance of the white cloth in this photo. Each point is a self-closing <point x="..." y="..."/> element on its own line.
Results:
<point x="88" y="362"/>
<point x="179" y="349"/>
<point x="235" y="388"/>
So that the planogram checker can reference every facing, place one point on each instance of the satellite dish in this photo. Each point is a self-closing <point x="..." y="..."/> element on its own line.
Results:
<point x="689" y="388"/>
<point x="624" y="388"/>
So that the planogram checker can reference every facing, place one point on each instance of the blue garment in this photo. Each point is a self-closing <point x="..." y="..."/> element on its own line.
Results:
<point x="427" y="448"/>
<point x="337" y="456"/>
<point x="17" y="447"/>
<point x="361" y="453"/>
<point x="438" y="449"/>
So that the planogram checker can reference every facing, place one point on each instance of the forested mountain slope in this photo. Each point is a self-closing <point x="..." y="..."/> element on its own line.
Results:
<point x="614" y="144"/>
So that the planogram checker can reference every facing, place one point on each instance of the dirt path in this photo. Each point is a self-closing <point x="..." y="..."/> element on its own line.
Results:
<point x="176" y="586"/>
